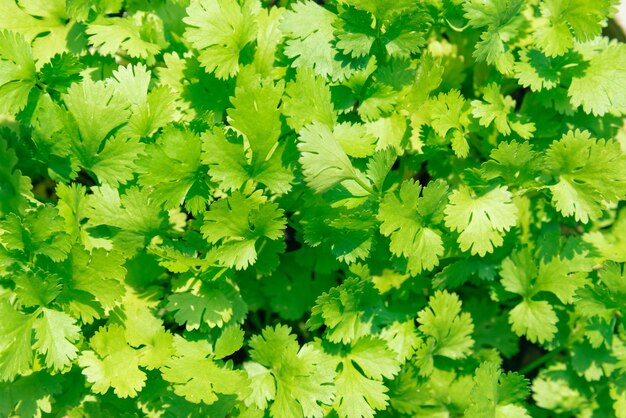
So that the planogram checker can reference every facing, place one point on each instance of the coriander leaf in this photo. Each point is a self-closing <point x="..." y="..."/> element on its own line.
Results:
<point x="112" y="363"/>
<point x="61" y="72"/>
<point x="93" y="281"/>
<point x="116" y="162"/>
<point x="15" y="189"/>
<point x="601" y="87"/>
<point x="255" y="114"/>
<point x="481" y="220"/>
<point x="150" y="110"/>
<point x="494" y="393"/>
<point x="538" y="71"/>
<point x="197" y="378"/>
<point x="172" y="168"/>
<point x="220" y="30"/>
<point x="214" y="304"/>
<point x="402" y="338"/>
<point x="303" y="376"/>
<point x="56" y="333"/>
<point x="307" y="99"/>
<point x="567" y="20"/>
<point x="135" y="211"/>
<point x="346" y="310"/>
<point x="450" y="115"/>
<point x="356" y="32"/>
<point x="230" y="341"/>
<point x="309" y="31"/>
<point x="358" y="395"/>
<point x="97" y="110"/>
<point x="534" y="319"/>
<point x="590" y="172"/>
<point x="611" y="242"/>
<point x="515" y="162"/>
<point x="17" y="71"/>
<point x="257" y="117"/>
<point x="325" y="163"/>
<point x="145" y="331"/>
<point x="379" y="166"/>
<point x="37" y="232"/>
<point x="360" y="392"/>
<point x="16" y="354"/>
<point x="494" y="108"/>
<point x="226" y="160"/>
<point x="501" y="20"/>
<point x="560" y="276"/>
<point x="240" y="225"/>
<point x="139" y="35"/>
<point x="355" y="139"/>
<point x="447" y="329"/>
<point x="403" y="221"/>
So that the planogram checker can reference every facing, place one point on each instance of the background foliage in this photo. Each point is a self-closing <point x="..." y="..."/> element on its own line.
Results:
<point x="356" y="208"/>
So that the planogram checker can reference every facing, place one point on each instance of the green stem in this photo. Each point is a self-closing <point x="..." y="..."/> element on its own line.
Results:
<point x="363" y="185"/>
<point x="539" y="361"/>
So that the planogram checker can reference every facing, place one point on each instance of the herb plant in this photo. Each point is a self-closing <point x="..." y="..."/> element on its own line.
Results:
<point x="343" y="208"/>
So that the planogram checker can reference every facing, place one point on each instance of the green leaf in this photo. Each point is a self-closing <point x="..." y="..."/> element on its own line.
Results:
<point x="150" y="110"/>
<point x="139" y="35"/>
<point x="600" y="89"/>
<point x="61" y="72"/>
<point x="197" y="378"/>
<point x="135" y="211"/>
<point x="17" y="71"/>
<point x="226" y="160"/>
<point x="15" y="189"/>
<point x="309" y="31"/>
<point x="38" y="232"/>
<point x="515" y="162"/>
<point x="56" y="333"/>
<point x="307" y="100"/>
<point x="501" y="20"/>
<point x="496" y="110"/>
<point x="560" y="276"/>
<point x="403" y="219"/>
<point x="481" y="220"/>
<point x="97" y="273"/>
<point x="450" y="115"/>
<point x="565" y="21"/>
<point x="255" y="114"/>
<point x="590" y="172"/>
<point x="112" y="363"/>
<point x="346" y="310"/>
<point x="534" y="319"/>
<point x="257" y="117"/>
<point x="230" y="341"/>
<point x="172" y="168"/>
<point x="302" y="375"/>
<point x="494" y="392"/>
<point x="447" y="328"/>
<point x="220" y="30"/>
<point x="116" y="162"/>
<point x="216" y="304"/>
<point x="360" y="392"/>
<point x="144" y="331"/>
<point x="325" y="163"/>
<point x="97" y="109"/>
<point x="239" y="225"/>
<point x="16" y="354"/>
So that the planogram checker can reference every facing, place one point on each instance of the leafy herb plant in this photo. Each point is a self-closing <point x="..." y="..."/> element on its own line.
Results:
<point x="343" y="208"/>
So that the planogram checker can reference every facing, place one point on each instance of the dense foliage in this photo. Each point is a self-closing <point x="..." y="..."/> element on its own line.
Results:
<point x="288" y="209"/>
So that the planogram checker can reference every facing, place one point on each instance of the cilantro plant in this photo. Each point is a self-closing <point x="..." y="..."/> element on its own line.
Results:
<point x="343" y="208"/>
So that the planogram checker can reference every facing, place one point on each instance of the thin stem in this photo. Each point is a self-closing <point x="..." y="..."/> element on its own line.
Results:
<point x="539" y="361"/>
<point x="363" y="185"/>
